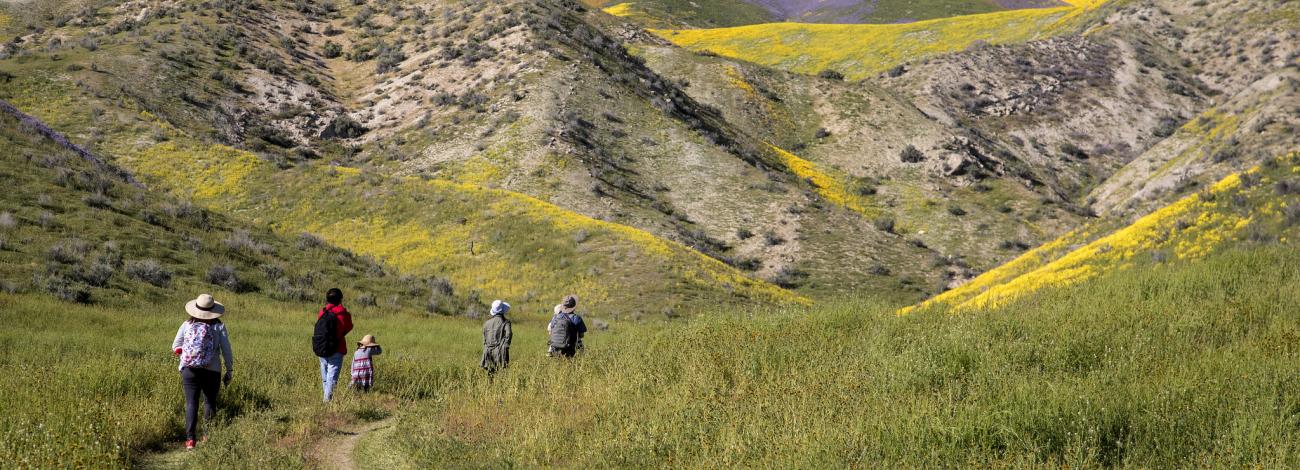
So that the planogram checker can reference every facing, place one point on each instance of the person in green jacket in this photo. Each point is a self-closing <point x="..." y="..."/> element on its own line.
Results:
<point x="496" y="339"/>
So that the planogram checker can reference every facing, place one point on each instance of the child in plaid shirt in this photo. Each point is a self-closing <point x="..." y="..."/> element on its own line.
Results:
<point x="363" y="367"/>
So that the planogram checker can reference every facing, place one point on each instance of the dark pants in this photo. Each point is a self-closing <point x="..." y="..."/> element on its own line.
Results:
<point x="566" y="352"/>
<point x="193" y="382"/>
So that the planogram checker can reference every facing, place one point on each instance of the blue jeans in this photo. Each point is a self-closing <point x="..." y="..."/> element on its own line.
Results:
<point x="329" y="373"/>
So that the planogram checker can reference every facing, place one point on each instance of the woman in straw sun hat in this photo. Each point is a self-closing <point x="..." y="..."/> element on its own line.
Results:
<point x="199" y="342"/>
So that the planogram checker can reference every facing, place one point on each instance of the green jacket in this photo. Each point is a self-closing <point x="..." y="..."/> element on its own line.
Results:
<point x="496" y="343"/>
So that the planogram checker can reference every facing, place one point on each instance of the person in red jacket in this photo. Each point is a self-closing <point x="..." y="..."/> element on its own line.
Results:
<point x="329" y="366"/>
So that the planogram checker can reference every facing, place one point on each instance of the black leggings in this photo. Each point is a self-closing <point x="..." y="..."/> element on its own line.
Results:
<point x="193" y="382"/>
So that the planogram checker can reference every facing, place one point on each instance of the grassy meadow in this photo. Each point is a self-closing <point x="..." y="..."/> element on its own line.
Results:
<point x="1190" y="363"/>
<point x="860" y="50"/>
<point x="97" y="386"/>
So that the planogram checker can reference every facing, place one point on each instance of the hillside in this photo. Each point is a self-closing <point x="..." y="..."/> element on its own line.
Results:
<point x="858" y="51"/>
<point x="82" y="231"/>
<point x="1261" y="205"/>
<point x="594" y="136"/>
<point x="725" y="13"/>
<point x="805" y="233"/>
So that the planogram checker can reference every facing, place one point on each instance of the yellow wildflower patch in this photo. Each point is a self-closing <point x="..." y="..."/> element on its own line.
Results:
<point x="1190" y="228"/>
<point x="738" y="81"/>
<point x="829" y="185"/>
<point x="498" y="242"/>
<point x="622" y="9"/>
<point x="860" y="50"/>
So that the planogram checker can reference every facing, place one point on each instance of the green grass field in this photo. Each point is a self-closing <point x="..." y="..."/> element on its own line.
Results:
<point x="1185" y="364"/>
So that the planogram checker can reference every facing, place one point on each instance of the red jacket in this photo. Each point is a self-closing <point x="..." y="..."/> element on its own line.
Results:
<point x="345" y="324"/>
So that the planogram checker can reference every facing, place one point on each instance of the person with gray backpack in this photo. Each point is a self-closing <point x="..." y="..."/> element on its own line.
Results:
<point x="562" y="332"/>
<point x="203" y="346"/>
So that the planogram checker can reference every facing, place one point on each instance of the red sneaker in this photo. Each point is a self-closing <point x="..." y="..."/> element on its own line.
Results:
<point x="189" y="444"/>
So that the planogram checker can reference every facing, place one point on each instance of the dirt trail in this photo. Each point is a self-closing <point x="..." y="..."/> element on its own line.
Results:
<point x="339" y="452"/>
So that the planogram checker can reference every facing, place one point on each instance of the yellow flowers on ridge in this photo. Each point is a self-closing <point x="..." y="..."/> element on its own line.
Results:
<point x="860" y="50"/>
<point x="1190" y="228"/>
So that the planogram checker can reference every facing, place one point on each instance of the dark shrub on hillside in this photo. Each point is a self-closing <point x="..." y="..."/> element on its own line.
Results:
<point x="98" y="200"/>
<point x="822" y="133"/>
<point x="866" y="189"/>
<point x="1073" y="151"/>
<point x="97" y="273"/>
<point x="331" y="50"/>
<point x="1249" y="180"/>
<point x="1291" y="215"/>
<point x="189" y="214"/>
<point x="1013" y="245"/>
<point x="830" y="75"/>
<point x="309" y="240"/>
<point x="288" y="290"/>
<point x="878" y="270"/>
<point x="744" y="234"/>
<point x="789" y="277"/>
<point x="366" y="300"/>
<point x="225" y="276"/>
<point x="911" y="154"/>
<point x="1286" y="188"/>
<point x="343" y="127"/>
<point x="441" y="296"/>
<point x="884" y="224"/>
<point x="150" y="271"/>
<point x="1226" y="154"/>
<point x="68" y="252"/>
<point x="243" y="242"/>
<point x="389" y="58"/>
<point x="772" y="239"/>
<point x="64" y="289"/>
<point x="1165" y="127"/>
<point x="956" y="210"/>
<point x="745" y="264"/>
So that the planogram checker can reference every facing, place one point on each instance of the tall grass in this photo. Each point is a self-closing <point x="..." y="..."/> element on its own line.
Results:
<point x="90" y="386"/>
<point x="1193" y="364"/>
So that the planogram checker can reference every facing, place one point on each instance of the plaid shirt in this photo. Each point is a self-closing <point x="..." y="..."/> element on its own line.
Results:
<point x="363" y="369"/>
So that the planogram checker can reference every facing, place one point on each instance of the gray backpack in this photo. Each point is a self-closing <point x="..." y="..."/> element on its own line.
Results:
<point x="563" y="333"/>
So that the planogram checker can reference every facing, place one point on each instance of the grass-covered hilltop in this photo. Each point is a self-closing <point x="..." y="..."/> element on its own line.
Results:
<point x="805" y="234"/>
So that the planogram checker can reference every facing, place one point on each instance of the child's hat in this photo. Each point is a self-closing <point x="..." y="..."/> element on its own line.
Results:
<point x="367" y="341"/>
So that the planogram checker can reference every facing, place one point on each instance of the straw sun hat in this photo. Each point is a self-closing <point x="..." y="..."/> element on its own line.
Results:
<point x="204" y="308"/>
<point x="367" y="341"/>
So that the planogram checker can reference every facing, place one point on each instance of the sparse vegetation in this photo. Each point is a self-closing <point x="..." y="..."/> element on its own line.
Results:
<point x="911" y="154"/>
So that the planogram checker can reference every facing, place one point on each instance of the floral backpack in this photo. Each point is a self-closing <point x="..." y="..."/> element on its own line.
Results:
<point x="198" y="347"/>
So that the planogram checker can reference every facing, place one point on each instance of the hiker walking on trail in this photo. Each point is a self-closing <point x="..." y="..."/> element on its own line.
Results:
<point x="363" y="367"/>
<point x="199" y="342"/>
<point x="562" y="333"/>
<point x="329" y="339"/>
<point x="496" y="339"/>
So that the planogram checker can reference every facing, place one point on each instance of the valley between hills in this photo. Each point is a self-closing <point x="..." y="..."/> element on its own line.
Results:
<point x="957" y="233"/>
